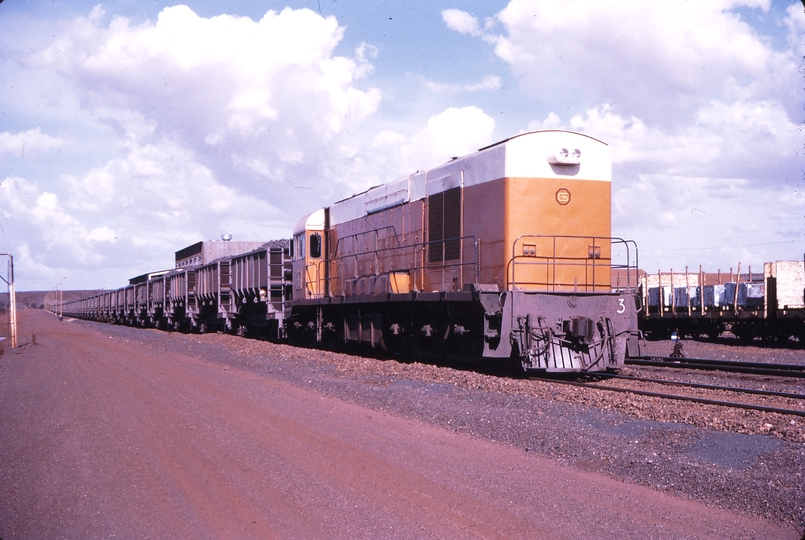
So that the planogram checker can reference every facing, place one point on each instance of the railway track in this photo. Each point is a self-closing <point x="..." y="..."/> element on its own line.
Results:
<point x="690" y="398"/>
<point x="751" y="368"/>
<point x="755" y="391"/>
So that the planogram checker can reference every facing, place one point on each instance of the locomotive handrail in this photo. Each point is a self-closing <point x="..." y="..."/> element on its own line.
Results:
<point x="363" y="233"/>
<point x="552" y="262"/>
<point x="415" y="253"/>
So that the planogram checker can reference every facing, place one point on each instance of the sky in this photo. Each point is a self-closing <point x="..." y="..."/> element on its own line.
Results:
<point x="132" y="129"/>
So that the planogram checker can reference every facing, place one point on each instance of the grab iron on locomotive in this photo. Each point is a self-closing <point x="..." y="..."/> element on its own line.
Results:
<point x="502" y="254"/>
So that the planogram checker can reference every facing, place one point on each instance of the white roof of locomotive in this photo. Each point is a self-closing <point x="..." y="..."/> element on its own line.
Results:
<point x="314" y="221"/>
<point x="537" y="154"/>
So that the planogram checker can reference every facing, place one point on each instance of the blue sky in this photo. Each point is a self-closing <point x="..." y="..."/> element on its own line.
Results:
<point x="129" y="130"/>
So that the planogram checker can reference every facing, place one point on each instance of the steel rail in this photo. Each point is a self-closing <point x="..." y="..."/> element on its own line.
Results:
<point x="752" y="368"/>
<point x="685" y="359"/>
<point x="705" y="401"/>
<point x="754" y="391"/>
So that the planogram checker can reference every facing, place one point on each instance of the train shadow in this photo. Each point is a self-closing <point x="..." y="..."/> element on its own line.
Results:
<point x="502" y="368"/>
<point x="508" y="368"/>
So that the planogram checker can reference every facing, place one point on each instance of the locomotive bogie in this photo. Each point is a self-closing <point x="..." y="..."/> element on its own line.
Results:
<point x="420" y="324"/>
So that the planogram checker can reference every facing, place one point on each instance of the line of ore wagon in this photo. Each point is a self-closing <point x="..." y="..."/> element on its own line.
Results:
<point x="215" y="286"/>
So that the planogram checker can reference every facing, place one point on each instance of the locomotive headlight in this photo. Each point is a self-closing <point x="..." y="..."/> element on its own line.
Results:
<point x="564" y="155"/>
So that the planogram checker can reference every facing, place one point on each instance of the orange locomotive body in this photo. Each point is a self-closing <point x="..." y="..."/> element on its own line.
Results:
<point x="504" y="253"/>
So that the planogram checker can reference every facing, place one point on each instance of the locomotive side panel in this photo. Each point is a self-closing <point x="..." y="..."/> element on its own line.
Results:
<point x="485" y="219"/>
<point x="381" y="244"/>
<point x="539" y="211"/>
<point x="520" y="219"/>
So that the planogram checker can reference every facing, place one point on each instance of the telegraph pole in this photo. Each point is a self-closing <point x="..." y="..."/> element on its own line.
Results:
<point x="9" y="279"/>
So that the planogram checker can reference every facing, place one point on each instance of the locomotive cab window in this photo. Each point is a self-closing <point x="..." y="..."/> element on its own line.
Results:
<point x="444" y="226"/>
<point x="315" y="245"/>
<point x="300" y="247"/>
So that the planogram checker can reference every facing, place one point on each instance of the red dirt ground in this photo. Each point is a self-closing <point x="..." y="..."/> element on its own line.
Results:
<point x="102" y="438"/>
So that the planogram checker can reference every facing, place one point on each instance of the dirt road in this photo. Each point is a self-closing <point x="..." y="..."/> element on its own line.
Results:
<point x="100" y="437"/>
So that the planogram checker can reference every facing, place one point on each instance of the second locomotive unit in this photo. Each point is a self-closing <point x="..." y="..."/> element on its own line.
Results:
<point x="504" y="253"/>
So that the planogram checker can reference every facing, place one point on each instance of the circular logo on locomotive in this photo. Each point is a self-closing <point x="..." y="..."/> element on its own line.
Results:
<point x="563" y="196"/>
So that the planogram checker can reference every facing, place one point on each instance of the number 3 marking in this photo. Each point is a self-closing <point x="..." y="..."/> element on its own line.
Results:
<point x="621" y="305"/>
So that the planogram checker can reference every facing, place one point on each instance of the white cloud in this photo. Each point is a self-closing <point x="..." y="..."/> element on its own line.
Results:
<point x="725" y="187"/>
<point x="258" y="100"/>
<point x="28" y="143"/>
<point x="25" y="207"/>
<point x="453" y="132"/>
<point x="157" y="189"/>
<point x="129" y="214"/>
<point x="795" y="24"/>
<point x="35" y="271"/>
<point x="222" y="125"/>
<point x="722" y="139"/>
<point x="683" y="221"/>
<point x="218" y="125"/>
<point x="456" y="132"/>
<point x="466" y="23"/>
<point x="659" y="61"/>
<point x="461" y="21"/>
<point x="199" y="126"/>
<point x="490" y="82"/>
<point x="102" y="234"/>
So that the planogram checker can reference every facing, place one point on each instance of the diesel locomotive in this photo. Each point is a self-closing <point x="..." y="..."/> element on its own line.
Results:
<point x="503" y="254"/>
